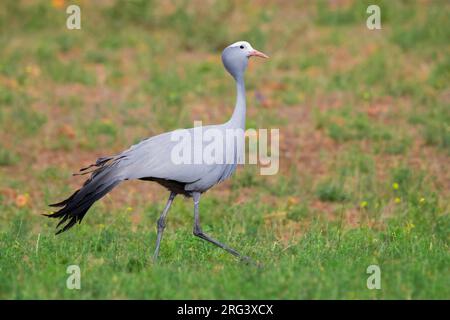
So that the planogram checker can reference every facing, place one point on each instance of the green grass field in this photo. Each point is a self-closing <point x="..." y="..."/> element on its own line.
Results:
<point x="364" y="119"/>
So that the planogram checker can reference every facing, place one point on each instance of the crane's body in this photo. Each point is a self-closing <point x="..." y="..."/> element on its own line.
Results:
<point x="152" y="160"/>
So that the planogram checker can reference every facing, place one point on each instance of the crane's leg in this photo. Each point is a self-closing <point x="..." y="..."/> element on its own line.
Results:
<point x="161" y="224"/>
<point x="199" y="233"/>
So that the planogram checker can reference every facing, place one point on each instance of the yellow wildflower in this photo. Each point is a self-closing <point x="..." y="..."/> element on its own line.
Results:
<point x="409" y="226"/>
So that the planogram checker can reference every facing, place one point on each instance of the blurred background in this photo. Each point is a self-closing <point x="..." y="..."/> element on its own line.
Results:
<point x="364" y="119"/>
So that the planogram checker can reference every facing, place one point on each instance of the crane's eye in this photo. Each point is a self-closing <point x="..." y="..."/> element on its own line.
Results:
<point x="242" y="47"/>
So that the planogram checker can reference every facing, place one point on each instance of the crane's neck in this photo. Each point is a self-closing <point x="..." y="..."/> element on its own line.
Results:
<point x="238" y="118"/>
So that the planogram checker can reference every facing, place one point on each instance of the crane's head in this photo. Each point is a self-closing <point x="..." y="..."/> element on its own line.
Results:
<point x="235" y="57"/>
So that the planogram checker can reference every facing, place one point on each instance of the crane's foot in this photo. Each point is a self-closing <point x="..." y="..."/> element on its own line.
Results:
<point x="247" y="260"/>
<point x="250" y="262"/>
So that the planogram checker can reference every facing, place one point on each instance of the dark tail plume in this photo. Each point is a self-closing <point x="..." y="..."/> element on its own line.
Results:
<point x="74" y="208"/>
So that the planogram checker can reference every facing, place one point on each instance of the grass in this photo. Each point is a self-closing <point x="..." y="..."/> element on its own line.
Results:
<point x="328" y="262"/>
<point x="7" y="158"/>
<point x="330" y="191"/>
<point x="364" y="146"/>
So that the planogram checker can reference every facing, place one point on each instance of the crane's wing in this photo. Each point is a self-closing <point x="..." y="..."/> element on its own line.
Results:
<point x="172" y="156"/>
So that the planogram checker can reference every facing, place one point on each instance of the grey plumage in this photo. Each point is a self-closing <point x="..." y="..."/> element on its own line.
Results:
<point x="151" y="160"/>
